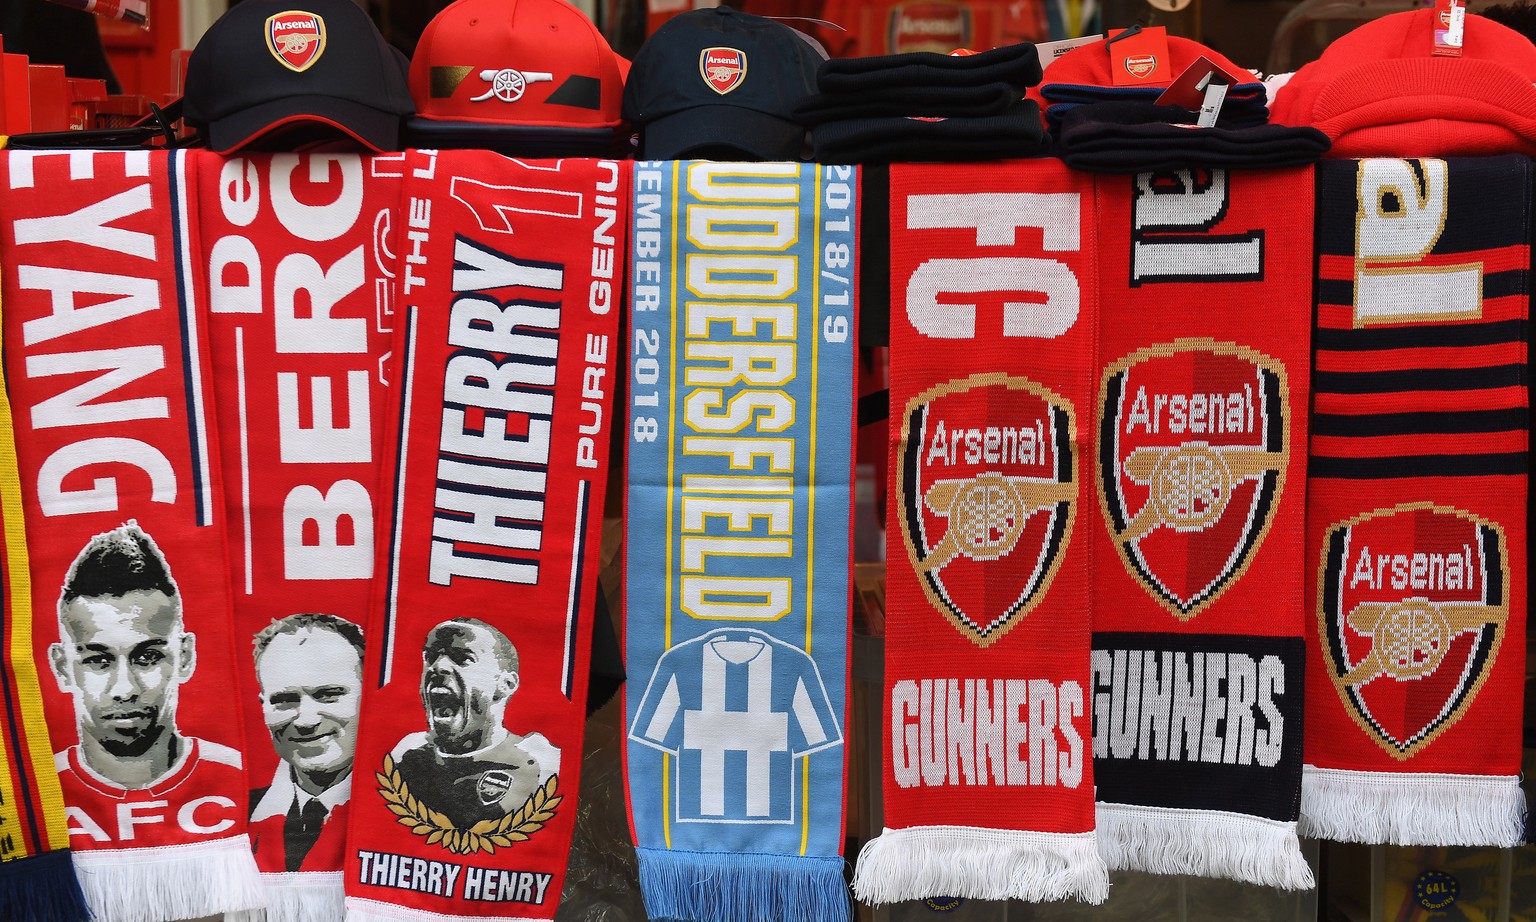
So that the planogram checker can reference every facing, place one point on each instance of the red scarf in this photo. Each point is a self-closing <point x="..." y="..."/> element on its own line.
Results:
<point x="504" y="350"/>
<point x="106" y="358"/>
<point x="1416" y="502"/>
<point x="299" y="299"/>
<point x="988" y="779"/>
<point x="1200" y="462"/>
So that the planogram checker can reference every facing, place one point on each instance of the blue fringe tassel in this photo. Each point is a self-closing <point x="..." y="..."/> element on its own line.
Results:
<point x="731" y="887"/>
<point x="42" y="888"/>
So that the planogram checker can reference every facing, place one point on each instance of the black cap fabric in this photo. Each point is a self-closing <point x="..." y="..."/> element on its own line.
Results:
<point x="720" y="82"/>
<point x="296" y="64"/>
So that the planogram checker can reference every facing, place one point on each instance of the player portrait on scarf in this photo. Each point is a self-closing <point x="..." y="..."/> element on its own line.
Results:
<point x="468" y="765"/>
<point x="309" y="667"/>
<point x="123" y="654"/>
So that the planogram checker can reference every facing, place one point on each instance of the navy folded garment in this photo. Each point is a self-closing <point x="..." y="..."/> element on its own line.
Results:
<point x="927" y="101"/>
<point x="1017" y="132"/>
<point x="1016" y="65"/>
<point x="1119" y="137"/>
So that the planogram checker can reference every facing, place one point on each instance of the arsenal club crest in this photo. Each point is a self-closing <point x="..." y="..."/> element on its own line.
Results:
<point x="1412" y="605"/>
<point x="493" y="785"/>
<point x="1140" y="65"/>
<point x="988" y="491"/>
<point x="296" y="38"/>
<point x="723" y="69"/>
<point x="1193" y="443"/>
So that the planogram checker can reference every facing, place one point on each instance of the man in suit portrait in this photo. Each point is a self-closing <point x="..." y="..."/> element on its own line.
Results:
<point x="309" y="669"/>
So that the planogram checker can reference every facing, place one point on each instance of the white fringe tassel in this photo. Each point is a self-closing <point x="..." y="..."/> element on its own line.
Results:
<point x="298" y="896"/>
<point x="1203" y="843"/>
<point x="361" y="910"/>
<point x="984" y="864"/>
<point x="1389" y="808"/>
<point x="171" y="881"/>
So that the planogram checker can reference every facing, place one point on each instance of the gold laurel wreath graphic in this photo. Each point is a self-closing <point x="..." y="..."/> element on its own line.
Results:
<point x="484" y="836"/>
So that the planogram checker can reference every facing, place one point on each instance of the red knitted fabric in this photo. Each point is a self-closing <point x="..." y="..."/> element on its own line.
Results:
<point x="988" y="781"/>
<point x="1089" y="65"/>
<point x="1379" y="92"/>
<point x="1416" y="502"/>
<point x="299" y="304"/>
<point x="106" y="363"/>
<point x="1197" y="636"/>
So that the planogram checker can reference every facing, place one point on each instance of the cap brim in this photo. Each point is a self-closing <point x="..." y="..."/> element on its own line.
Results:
<point x="756" y="135"/>
<point x="373" y="128"/>
<point x="523" y="140"/>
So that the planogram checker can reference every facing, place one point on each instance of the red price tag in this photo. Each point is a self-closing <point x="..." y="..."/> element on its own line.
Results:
<point x="1450" y="22"/>
<point x="1141" y="59"/>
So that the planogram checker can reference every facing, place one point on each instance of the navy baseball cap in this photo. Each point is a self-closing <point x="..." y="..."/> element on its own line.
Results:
<point x="296" y="69"/>
<point x="718" y="82"/>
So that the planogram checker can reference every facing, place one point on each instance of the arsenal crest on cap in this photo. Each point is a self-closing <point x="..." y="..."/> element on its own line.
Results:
<point x="296" y="38"/>
<point x="988" y="491"/>
<point x="1412" y="606"/>
<point x="1193" y="443"/>
<point x="723" y="69"/>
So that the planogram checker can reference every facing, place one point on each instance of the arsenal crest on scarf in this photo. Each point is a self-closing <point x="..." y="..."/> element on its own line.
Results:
<point x="1412" y="608"/>
<point x="988" y="501"/>
<point x="1193" y="445"/>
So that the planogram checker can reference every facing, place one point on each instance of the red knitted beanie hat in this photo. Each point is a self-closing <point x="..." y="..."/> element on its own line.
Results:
<point x="1380" y="91"/>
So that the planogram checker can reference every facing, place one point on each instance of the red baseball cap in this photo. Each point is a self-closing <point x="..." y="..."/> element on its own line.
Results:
<point x="1379" y="91"/>
<point x="530" y="77"/>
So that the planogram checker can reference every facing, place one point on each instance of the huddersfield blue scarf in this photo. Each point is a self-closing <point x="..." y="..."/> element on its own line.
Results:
<point x="739" y="506"/>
